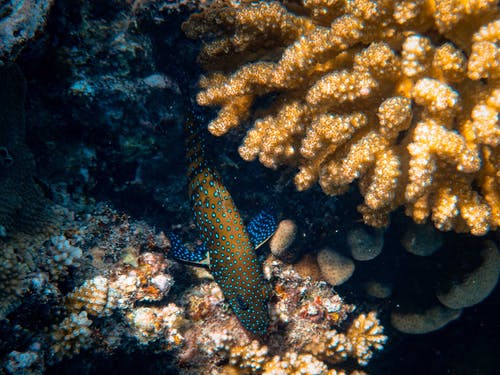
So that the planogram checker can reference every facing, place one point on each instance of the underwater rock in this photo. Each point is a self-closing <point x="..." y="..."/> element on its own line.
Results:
<point x="427" y="321"/>
<point x="378" y="289"/>
<point x="476" y="285"/>
<point x="365" y="243"/>
<point x="335" y="268"/>
<point x="282" y="240"/>
<point x="422" y="240"/>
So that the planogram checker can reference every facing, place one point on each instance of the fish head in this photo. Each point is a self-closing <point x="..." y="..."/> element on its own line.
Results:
<point x="252" y="309"/>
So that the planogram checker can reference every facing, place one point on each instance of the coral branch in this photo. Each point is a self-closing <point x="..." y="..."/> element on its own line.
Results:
<point x="364" y="90"/>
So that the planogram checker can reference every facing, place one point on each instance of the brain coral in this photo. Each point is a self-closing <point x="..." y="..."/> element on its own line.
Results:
<point x="401" y="96"/>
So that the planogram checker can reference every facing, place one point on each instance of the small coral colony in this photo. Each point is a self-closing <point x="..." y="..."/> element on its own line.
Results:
<point x="396" y="101"/>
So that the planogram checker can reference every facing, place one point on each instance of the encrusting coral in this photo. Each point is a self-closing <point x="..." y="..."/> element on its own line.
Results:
<point x="402" y="96"/>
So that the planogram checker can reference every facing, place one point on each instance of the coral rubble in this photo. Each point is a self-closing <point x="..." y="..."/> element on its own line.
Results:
<point x="402" y="96"/>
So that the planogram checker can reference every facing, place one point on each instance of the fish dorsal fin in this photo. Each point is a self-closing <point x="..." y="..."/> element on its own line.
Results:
<point x="261" y="228"/>
<point x="198" y="257"/>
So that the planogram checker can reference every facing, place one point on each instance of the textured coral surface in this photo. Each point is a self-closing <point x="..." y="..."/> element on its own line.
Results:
<point x="98" y="293"/>
<point x="122" y="299"/>
<point x="402" y="96"/>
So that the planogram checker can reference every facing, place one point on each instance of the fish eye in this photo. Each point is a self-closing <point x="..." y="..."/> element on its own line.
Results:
<point x="241" y="303"/>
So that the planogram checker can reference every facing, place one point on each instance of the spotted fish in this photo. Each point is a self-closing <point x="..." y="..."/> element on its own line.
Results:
<point x="228" y="246"/>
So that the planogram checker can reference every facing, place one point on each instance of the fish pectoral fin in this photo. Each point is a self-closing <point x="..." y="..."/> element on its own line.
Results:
<point x="178" y="251"/>
<point x="261" y="228"/>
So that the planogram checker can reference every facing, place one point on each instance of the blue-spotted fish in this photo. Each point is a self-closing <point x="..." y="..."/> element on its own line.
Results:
<point x="228" y="247"/>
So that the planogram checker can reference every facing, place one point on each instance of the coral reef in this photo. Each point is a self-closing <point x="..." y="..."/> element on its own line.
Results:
<point x="112" y="264"/>
<point x="98" y="293"/>
<point x="378" y="289"/>
<point x="305" y="317"/>
<point x="20" y="21"/>
<point x="153" y="324"/>
<point x="24" y="363"/>
<point x="72" y="335"/>
<point x="106" y="81"/>
<point x="401" y="96"/>
<point x="363" y="337"/>
<point x="12" y="279"/>
<point x="146" y="281"/>
<point x="107" y="286"/>
<point x="126" y="84"/>
<point x="169" y="5"/>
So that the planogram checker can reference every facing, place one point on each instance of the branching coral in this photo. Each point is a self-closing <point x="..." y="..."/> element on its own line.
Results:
<point x="72" y="335"/>
<point x="364" y="335"/>
<point x="401" y="96"/>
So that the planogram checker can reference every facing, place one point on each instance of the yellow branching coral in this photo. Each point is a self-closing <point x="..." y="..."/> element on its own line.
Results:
<point x="363" y="337"/>
<point x="366" y="335"/>
<point x="401" y="96"/>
